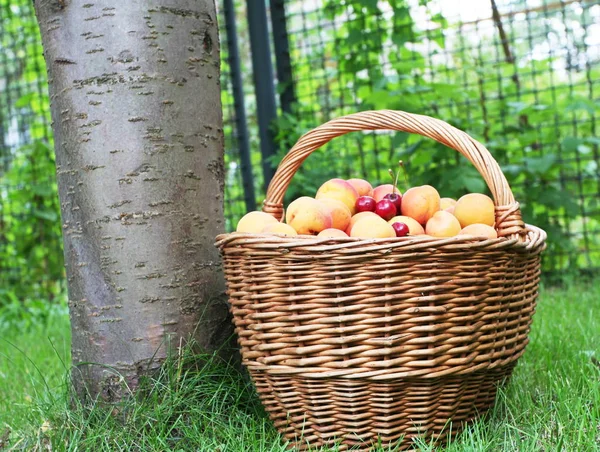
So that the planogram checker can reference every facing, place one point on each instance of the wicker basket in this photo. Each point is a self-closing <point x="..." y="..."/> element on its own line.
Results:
<point x="355" y="341"/>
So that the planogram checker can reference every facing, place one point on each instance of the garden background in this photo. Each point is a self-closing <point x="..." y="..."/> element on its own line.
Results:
<point x="521" y="76"/>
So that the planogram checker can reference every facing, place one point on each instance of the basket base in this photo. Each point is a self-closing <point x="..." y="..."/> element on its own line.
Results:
<point x="360" y="414"/>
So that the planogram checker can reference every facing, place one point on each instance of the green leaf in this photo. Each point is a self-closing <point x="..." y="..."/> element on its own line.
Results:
<point x="592" y="140"/>
<point x="583" y="149"/>
<point x="379" y="99"/>
<point x="440" y="19"/>
<point x="43" y="190"/>
<point x="570" y="144"/>
<point x="401" y="13"/>
<point x="399" y="39"/>
<point x="45" y="214"/>
<point x="399" y="139"/>
<point x="540" y="107"/>
<point x="418" y="159"/>
<point x="371" y="5"/>
<point x="474" y="183"/>
<point x="24" y="100"/>
<point x="512" y="169"/>
<point x="581" y="104"/>
<point x="591" y="168"/>
<point x="517" y="107"/>
<point x="411" y="150"/>
<point x="540" y="165"/>
<point x="553" y="197"/>
<point x="439" y="37"/>
<point x="355" y="36"/>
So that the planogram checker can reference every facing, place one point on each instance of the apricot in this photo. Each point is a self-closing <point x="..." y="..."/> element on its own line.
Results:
<point x="279" y="228"/>
<point x="421" y="203"/>
<point x="414" y="228"/>
<point x="332" y="232"/>
<point x="446" y="203"/>
<point x="362" y="187"/>
<point x="442" y="224"/>
<point x="358" y="217"/>
<point x="340" y="214"/>
<point x="341" y="190"/>
<point x="372" y="227"/>
<point x="255" y="222"/>
<point x="480" y="230"/>
<point x="380" y="191"/>
<point x="308" y="216"/>
<point x="475" y="208"/>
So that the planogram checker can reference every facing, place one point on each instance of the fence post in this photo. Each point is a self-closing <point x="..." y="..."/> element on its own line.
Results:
<point x="287" y="96"/>
<point x="241" y="123"/>
<point x="264" y="85"/>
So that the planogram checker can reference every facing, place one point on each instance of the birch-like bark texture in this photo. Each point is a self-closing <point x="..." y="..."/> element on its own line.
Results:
<point x="136" y="110"/>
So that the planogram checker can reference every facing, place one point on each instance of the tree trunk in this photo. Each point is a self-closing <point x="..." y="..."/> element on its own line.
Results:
<point x="135" y="101"/>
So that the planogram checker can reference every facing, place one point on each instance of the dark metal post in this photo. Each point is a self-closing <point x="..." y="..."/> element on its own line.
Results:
<point x="241" y="124"/>
<point x="282" y="56"/>
<point x="264" y="86"/>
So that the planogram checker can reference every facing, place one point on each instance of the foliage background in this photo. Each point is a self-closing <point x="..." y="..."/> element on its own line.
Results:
<point x="525" y="83"/>
<point x="31" y="260"/>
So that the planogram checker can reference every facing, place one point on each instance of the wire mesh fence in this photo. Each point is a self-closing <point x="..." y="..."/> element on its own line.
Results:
<point x="235" y="202"/>
<point x="30" y="241"/>
<point x="522" y="76"/>
<point x="31" y="261"/>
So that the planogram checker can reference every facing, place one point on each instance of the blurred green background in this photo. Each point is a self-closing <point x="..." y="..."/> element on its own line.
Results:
<point x="522" y="77"/>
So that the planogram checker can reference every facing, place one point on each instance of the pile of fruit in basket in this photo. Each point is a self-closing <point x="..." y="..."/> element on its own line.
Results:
<point x="353" y="208"/>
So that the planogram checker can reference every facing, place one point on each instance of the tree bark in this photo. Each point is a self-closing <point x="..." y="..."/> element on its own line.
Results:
<point x="135" y="102"/>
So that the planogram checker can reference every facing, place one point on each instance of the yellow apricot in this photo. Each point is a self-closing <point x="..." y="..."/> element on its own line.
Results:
<point x="255" y="222"/>
<point x="358" y="217"/>
<point x="340" y="214"/>
<point x="480" y="230"/>
<point x="372" y="227"/>
<point x="446" y="203"/>
<point x="308" y="216"/>
<point x="362" y="187"/>
<point x="442" y="224"/>
<point x="332" y="232"/>
<point x="341" y="190"/>
<point x="414" y="228"/>
<point x="279" y="228"/>
<point x="475" y="208"/>
<point x="421" y="203"/>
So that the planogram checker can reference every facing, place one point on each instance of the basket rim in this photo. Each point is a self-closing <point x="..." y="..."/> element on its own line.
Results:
<point x="534" y="241"/>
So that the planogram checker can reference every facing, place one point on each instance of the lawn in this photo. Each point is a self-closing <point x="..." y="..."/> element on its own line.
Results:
<point x="552" y="402"/>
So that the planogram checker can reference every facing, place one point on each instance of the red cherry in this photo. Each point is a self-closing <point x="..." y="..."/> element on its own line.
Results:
<point x="400" y="228"/>
<point x="365" y="204"/>
<point x="386" y="209"/>
<point x="396" y="198"/>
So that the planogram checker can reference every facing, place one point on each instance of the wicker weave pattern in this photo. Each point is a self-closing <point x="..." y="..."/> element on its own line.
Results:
<point x="360" y="340"/>
<point x="313" y="412"/>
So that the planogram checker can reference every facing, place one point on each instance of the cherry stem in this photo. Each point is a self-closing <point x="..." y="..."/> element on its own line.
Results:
<point x="391" y="173"/>
<point x="401" y="164"/>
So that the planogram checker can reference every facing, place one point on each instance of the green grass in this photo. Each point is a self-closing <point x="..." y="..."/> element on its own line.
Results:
<point x="33" y="359"/>
<point x="552" y="403"/>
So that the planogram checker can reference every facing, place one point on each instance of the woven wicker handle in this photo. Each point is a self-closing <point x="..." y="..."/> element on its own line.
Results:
<point x="508" y="215"/>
